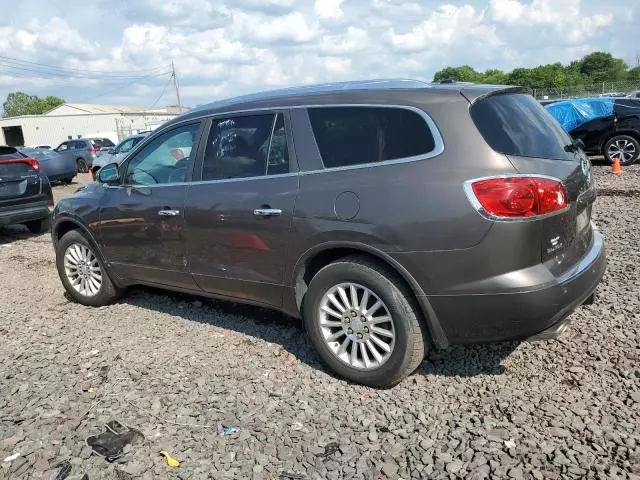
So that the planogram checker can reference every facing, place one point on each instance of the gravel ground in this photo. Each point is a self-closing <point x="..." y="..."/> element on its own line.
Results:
<point x="180" y="369"/>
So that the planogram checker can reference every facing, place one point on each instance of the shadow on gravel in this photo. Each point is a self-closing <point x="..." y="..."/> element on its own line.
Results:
<point x="468" y="360"/>
<point x="277" y="328"/>
<point x="13" y="233"/>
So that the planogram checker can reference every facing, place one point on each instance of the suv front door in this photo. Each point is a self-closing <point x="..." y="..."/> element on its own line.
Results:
<point x="239" y="215"/>
<point x="142" y="220"/>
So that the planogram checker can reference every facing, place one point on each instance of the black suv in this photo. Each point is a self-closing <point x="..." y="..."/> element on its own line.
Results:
<point x="391" y="216"/>
<point x="25" y="192"/>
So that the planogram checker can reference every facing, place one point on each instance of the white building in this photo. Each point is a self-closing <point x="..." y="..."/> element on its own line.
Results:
<point x="76" y="120"/>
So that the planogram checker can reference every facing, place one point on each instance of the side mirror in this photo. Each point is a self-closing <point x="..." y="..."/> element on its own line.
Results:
<point x="109" y="174"/>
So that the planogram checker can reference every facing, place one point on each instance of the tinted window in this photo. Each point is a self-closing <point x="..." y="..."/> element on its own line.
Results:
<point x="278" y="152"/>
<point x="102" y="142"/>
<point x="517" y="124"/>
<point x="238" y="147"/>
<point x="125" y="146"/>
<point x="357" y="135"/>
<point x="11" y="169"/>
<point x="166" y="159"/>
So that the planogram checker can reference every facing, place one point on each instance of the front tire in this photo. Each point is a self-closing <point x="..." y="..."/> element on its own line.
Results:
<point x="82" y="272"/>
<point x="39" y="226"/>
<point x="623" y="146"/>
<point x="364" y="323"/>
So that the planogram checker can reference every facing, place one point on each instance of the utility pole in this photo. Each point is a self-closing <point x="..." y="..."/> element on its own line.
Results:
<point x="175" y="84"/>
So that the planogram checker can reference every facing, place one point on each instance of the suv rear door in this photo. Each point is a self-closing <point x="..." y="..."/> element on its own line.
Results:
<point x="239" y="215"/>
<point x="516" y="125"/>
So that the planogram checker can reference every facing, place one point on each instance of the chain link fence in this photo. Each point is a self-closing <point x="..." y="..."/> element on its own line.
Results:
<point x="605" y="89"/>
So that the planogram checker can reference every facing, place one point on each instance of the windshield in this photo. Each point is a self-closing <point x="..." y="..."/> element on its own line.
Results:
<point x="516" y="124"/>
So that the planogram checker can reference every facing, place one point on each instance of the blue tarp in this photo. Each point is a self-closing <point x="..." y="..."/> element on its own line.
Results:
<point x="573" y="113"/>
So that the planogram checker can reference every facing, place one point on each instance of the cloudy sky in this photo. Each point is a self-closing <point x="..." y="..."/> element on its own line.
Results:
<point x="119" y="51"/>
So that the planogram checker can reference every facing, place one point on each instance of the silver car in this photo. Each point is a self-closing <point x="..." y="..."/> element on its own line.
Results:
<point x="116" y="154"/>
<point x="84" y="151"/>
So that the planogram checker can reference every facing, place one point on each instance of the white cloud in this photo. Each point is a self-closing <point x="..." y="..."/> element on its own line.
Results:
<point x="328" y="9"/>
<point x="448" y="25"/>
<point x="227" y="47"/>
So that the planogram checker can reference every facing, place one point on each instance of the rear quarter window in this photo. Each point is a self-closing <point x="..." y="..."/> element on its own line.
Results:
<point x="359" y="135"/>
<point x="516" y="124"/>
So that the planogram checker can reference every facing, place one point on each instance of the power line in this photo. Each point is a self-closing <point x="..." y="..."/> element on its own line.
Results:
<point x="164" y="90"/>
<point x="81" y="70"/>
<point x="120" y="87"/>
<point x="44" y="74"/>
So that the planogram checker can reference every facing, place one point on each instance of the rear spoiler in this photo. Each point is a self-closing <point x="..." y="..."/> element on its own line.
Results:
<point x="475" y="93"/>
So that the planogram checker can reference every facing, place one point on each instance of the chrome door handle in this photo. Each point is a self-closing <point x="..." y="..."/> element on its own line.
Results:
<point x="169" y="213"/>
<point x="267" y="212"/>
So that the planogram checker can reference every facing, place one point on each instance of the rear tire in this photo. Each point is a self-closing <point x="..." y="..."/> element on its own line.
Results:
<point x="405" y="335"/>
<point x="83" y="274"/>
<point x="624" y="146"/>
<point x="83" y="167"/>
<point x="39" y="226"/>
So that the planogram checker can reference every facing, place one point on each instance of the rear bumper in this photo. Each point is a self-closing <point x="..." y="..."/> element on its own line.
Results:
<point x="24" y="213"/>
<point x="537" y="313"/>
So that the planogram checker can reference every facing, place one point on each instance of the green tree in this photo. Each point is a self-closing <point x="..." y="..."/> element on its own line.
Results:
<point x="458" y="74"/>
<point x="603" y="67"/>
<point x="494" y="77"/>
<point x="20" y="103"/>
<point x="634" y="74"/>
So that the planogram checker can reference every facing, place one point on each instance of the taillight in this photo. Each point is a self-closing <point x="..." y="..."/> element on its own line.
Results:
<point x="516" y="197"/>
<point x="33" y="162"/>
<point x="94" y="149"/>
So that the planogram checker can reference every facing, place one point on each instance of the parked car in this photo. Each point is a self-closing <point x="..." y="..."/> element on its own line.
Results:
<point x="391" y="216"/>
<point x="116" y="154"/>
<point x="54" y="165"/>
<point x="25" y="192"/>
<point x="635" y="94"/>
<point x="84" y="151"/>
<point x="605" y="126"/>
<point x="41" y="147"/>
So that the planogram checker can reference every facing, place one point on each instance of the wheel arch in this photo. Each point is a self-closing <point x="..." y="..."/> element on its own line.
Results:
<point x="312" y="261"/>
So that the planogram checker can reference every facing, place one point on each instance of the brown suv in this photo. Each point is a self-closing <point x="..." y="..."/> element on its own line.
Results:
<point x="391" y="216"/>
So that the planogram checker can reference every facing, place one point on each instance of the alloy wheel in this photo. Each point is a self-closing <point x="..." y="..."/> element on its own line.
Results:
<point x="82" y="269"/>
<point x="357" y="326"/>
<point x="624" y="149"/>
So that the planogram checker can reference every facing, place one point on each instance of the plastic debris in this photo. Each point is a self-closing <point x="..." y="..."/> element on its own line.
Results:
<point x="11" y="458"/>
<point x="229" y="430"/>
<point x="510" y="444"/>
<point x="297" y="426"/>
<point x="111" y="443"/>
<point x="172" y="462"/>
<point x="65" y="470"/>
<point x="330" y="449"/>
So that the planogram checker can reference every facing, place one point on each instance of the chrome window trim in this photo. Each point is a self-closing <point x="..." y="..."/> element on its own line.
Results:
<point x="204" y="182"/>
<point x="471" y="196"/>
<point x="435" y="131"/>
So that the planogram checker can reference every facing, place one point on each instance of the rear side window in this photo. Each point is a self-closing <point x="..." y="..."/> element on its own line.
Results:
<point x="358" y="135"/>
<point x="516" y="124"/>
